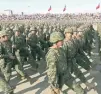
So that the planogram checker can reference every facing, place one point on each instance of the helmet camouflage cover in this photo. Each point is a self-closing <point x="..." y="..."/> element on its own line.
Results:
<point x="56" y="36"/>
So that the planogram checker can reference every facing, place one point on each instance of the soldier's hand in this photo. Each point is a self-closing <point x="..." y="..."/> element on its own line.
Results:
<point x="13" y="46"/>
<point x="57" y="90"/>
<point x="12" y="57"/>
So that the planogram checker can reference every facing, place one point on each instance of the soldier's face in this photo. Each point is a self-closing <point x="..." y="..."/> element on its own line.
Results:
<point x="68" y="35"/>
<point x="5" y="38"/>
<point x="34" y="32"/>
<point x="17" y="33"/>
<point x="59" y="44"/>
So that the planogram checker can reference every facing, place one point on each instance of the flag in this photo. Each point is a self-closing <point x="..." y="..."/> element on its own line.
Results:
<point x="98" y="6"/>
<point x="64" y="9"/>
<point x="50" y="8"/>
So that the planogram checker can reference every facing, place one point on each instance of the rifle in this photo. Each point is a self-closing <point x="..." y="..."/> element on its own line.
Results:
<point x="13" y="52"/>
<point x="13" y="43"/>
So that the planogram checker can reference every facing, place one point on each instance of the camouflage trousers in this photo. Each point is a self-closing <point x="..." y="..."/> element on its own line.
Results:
<point x="83" y="61"/>
<point x="19" y="66"/>
<point x="69" y="81"/>
<point x="6" y="69"/>
<point x="73" y="68"/>
<point x="88" y="48"/>
<point x="20" y="59"/>
<point x="6" y="88"/>
<point x="32" y="62"/>
<point x="36" y="53"/>
<point x="29" y="59"/>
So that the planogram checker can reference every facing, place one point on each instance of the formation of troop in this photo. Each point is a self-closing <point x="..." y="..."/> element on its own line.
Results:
<point x="62" y="47"/>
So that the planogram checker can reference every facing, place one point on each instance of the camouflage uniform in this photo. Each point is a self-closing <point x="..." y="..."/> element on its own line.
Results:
<point x="9" y="59"/>
<point x="88" y="40"/>
<point x="46" y="43"/>
<point x="70" y="49"/>
<point x="5" y="53"/>
<point x="6" y="88"/>
<point x="81" y="58"/>
<point x="58" y="73"/>
<point x="19" y="42"/>
<point x="33" y="43"/>
<point x="72" y="53"/>
<point x="28" y="51"/>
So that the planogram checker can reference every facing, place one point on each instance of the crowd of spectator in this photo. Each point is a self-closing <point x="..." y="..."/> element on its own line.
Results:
<point x="48" y="16"/>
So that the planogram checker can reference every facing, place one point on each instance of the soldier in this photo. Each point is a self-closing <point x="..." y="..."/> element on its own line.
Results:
<point x="71" y="51"/>
<point x="79" y="42"/>
<point x="9" y="59"/>
<point x="19" y="45"/>
<point x="6" y="55"/>
<point x="40" y="36"/>
<point x="33" y="43"/>
<point x="18" y="42"/>
<point x="58" y="73"/>
<point x="10" y="32"/>
<point x="81" y="58"/>
<point x="4" y="86"/>
<point x="23" y="53"/>
<point x="88" y="39"/>
<point x="43" y="39"/>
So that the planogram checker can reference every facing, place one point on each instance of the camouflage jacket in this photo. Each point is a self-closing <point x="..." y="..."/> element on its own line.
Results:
<point x="19" y="41"/>
<point x="32" y="40"/>
<point x="56" y="63"/>
<point x="6" y="50"/>
<point x="69" y="48"/>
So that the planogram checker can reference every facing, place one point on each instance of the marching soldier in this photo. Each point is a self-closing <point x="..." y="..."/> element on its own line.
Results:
<point x="71" y="52"/>
<point x="58" y="72"/>
<point x="33" y="43"/>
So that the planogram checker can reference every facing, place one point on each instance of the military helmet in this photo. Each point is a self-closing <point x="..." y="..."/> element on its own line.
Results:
<point x="7" y="29"/>
<point x="74" y="29"/>
<point x="3" y="33"/>
<point x="16" y="29"/>
<point x="12" y="27"/>
<point x="33" y="29"/>
<point x="79" y="29"/>
<point x="55" y="37"/>
<point x="68" y="30"/>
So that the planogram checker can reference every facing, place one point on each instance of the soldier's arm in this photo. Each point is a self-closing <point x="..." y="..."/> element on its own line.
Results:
<point x="2" y="54"/>
<point x="65" y="48"/>
<point x="52" y="70"/>
<point x="1" y="50"/>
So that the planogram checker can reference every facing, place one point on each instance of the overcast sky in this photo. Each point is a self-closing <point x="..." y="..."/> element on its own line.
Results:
<point x="41" y="6"/>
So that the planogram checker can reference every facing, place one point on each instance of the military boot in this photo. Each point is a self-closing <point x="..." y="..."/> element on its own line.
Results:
<point x="28" y="78"/>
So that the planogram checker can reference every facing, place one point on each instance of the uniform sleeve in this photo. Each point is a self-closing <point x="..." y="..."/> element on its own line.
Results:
<point x="1" y="53"/>
<point x="52" y="69"/>
<point x="65" y="48"/>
